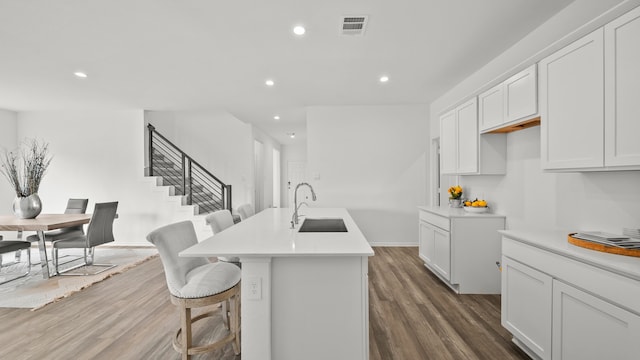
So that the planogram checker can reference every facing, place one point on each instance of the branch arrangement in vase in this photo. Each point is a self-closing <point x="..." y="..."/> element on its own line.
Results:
<point x="24" y="168"/>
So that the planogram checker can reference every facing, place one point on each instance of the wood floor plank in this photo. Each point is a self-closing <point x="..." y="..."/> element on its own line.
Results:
<point x="413" y="316"/>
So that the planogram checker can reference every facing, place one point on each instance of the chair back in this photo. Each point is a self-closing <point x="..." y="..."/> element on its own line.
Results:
<point x="245" y="211"/>
<point x="171" y="240"/>
<point x="75" y="206"/>
<point x="219" y="220"/>
<point x="100" y="229"/>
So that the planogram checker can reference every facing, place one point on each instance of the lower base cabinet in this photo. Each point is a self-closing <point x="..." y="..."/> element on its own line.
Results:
<point x="526" y="306"/>
<point x="558" y="308"/>
<point x="587" y="327"/>
<point x="461" y="248"/>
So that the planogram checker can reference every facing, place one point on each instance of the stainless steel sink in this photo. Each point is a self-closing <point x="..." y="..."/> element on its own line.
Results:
<point x="323" y="225"/>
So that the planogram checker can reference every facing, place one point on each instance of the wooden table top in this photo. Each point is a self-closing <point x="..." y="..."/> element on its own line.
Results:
<point x="42" y="222"/>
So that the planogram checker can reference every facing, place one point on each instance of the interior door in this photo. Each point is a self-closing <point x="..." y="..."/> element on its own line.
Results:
<point x="296" y="173"/>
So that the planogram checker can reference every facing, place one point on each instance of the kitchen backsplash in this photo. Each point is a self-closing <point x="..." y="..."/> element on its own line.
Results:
<point x="531" y="198"/>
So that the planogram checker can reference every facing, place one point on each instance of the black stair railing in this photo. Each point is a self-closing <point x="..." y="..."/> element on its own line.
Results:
<point x="189" y="178"/>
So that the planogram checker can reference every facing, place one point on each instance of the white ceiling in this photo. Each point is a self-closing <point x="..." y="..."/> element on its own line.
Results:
<point x="207" y="54"/>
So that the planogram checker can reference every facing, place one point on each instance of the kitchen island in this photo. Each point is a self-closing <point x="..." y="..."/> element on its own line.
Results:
<point x="304" y="294"/>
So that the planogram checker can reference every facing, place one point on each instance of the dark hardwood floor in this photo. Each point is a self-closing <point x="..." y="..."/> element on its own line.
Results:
<point x="129" y="316"/>
<point x="413" y="315"/>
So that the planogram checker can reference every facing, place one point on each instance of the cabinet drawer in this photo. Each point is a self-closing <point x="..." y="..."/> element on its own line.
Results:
<point x="436" y="220"/>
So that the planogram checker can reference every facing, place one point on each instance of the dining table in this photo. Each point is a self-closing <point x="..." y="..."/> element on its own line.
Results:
<point x="42" y="223"/>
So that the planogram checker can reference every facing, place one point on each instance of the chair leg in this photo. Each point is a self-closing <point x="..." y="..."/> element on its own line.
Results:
<point x="185" y="324"/>
<point x="20" y="275"/>
<point x="235" y="319"/>
<point x="225" y="314"/>
<point x="54" y="260"/>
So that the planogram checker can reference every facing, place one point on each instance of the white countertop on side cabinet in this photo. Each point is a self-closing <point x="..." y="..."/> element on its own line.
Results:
<point x="269" y="233"/>
<point x="449" y="212"/>
<point x="556" y="242"/>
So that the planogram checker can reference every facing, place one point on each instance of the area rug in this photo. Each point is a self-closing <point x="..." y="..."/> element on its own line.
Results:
<point x="34" y="292"/>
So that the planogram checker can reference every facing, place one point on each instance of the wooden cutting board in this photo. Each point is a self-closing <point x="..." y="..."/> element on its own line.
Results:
<point x="604" y="248"/>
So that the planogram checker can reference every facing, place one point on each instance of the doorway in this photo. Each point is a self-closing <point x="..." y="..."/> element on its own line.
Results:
<point x="296" y="173"/>
<point x="276" y="178"/>
<point x="258" y="164"/>
<point x="436" y="180"/>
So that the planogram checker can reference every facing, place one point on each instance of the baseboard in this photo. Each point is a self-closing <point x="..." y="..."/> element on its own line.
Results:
<point x="394" y="244"/>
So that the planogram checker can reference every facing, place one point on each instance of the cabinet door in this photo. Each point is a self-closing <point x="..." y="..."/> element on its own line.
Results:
<point x="468" y="135"/>
<point x="442" y="253"/>
<point x="448" y="143"/>
<point x="622" y="77"/>
<point x="426" y="246"/>
<point x="586" y="327"/>
<point x="491" y="107"/>
<point x="572" y="105"/>
<point x="526" y="306"/>
<point x="521" y="95"/>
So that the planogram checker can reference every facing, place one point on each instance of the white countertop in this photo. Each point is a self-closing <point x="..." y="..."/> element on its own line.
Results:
<point x="269" y="233"/>
<point x="450" y="212"/>
<point x="556" y="242"/>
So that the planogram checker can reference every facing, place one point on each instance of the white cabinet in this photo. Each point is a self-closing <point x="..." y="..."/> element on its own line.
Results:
<point x="435" y="249"/>
<point x="526" y="306"/>
<point x="511" y="102"/>
<point x="589" y="100"/>
<point x="587" y="327"/>
<point x="463" y="151"/>
<point x="449" y="143"/>
<point x="461" y="248"/>
<point x="562" y="302"/>
<point x="622" y="90"/>
<point x="491" y="108"/>
<point x="572" y="105"/>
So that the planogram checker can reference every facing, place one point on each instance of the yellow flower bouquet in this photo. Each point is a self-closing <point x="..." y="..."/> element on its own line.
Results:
<point x="455" y="192"/>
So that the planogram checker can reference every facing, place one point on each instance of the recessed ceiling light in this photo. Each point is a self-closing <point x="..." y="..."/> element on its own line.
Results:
<point x="269" y="82"/>
<point x="384" y="79"/>
<point x="292" y="135"/>
<point x="277" y="117"/>
<point x="80" y="74"/>
<point x="299" y="30"/>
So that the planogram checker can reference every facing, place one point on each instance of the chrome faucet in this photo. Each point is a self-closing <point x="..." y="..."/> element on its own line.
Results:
<point x="294" y="219"/>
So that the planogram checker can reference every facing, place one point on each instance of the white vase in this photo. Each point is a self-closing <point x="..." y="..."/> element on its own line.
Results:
<point x="27" y="207"/>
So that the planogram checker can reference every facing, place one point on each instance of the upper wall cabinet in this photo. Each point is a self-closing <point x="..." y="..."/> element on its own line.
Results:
<point x="622" y="90"/>
<point x="589" y="104"/>
<point x="462" y="150"/>
<point x="509" y="103"/>
<point x="572" y="105"/>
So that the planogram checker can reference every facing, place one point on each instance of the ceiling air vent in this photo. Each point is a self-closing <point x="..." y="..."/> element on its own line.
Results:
<point x="354" y="25"/>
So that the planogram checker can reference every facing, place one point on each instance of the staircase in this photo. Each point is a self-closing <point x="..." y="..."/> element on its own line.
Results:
<point x="186" y="178"/>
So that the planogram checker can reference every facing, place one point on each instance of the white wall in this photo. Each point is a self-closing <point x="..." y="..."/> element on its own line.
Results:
<point x="528" y="196"/>
<point x="372" y="161"/>
<point x="216" y="140"/>
<point x="8" y="141"/>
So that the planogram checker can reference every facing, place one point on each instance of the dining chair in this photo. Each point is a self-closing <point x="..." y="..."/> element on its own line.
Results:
<point x="8" y="246"/>
<point x="197" y="282"/>
<point x="245" y="211"/>
<point x="74" y="206"/>
<point x="99" y="231"/>
<point x="221" y="220"/>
